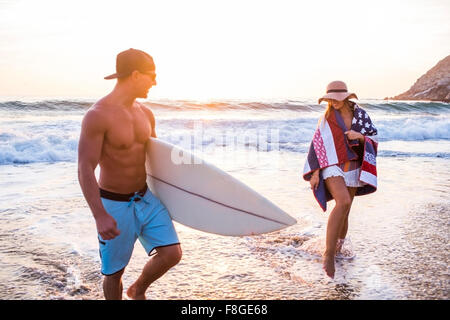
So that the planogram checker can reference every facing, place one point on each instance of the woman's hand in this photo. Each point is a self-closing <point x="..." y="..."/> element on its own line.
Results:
<point x="353" y="135"/>
<point x="314" y="182"/>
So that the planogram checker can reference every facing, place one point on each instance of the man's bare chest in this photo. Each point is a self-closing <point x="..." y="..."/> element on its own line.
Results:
<point x="128" y="128"/>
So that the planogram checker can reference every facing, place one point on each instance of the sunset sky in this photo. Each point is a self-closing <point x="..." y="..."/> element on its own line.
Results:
<point x="222" y="49"/>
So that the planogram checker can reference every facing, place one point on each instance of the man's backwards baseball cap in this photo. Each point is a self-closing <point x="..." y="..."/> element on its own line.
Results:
<point x="132" y="59"/>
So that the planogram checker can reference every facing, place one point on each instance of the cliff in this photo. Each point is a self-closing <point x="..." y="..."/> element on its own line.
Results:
<point x="433" y="85"/>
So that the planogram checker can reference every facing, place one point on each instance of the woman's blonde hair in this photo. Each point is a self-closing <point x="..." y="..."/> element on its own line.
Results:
<point x="347" y="102"/>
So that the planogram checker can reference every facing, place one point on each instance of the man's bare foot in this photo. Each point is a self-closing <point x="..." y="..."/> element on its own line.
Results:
<point x="132" y="294"/>
<point x="328" y="265"/>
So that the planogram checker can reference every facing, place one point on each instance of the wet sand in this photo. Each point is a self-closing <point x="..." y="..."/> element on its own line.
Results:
<point x="49" y="248"/>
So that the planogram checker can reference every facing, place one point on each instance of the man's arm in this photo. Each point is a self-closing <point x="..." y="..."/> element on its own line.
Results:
<point x="151" y="118"/>
<point x="89" y="150"/>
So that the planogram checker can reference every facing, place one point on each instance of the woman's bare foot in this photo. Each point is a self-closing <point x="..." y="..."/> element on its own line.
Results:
<point x="132" y="294"/>
<point x="328" y="265"/>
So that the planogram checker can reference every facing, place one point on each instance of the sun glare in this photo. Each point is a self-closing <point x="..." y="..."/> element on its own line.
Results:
<point x="233" y="49"/>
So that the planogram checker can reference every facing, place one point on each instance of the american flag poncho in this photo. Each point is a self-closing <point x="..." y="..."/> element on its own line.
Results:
<point x="330" y="146"/>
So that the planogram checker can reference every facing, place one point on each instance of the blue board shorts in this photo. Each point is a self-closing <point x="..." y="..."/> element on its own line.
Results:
<point x="138" y="215"/>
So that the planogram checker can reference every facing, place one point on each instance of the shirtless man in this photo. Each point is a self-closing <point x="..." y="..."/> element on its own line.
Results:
<point x="114" y="134"/>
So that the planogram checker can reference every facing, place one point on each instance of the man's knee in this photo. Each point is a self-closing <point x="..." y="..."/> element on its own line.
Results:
<point x="171" y="254"/>
<point x="115" y="276"/>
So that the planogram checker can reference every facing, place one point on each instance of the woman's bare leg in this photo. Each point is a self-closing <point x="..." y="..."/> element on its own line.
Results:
<point x="336" y="186"/>
<point x="344" y="229"/>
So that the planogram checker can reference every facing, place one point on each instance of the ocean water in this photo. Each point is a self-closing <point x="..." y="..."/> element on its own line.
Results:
<point x="48" y="241"/>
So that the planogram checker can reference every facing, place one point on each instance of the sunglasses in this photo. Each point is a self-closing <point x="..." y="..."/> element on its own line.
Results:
<point x="150" y="74"/>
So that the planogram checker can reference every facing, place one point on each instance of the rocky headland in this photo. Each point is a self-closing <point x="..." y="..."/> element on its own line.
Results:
<point x="432" y="86"/>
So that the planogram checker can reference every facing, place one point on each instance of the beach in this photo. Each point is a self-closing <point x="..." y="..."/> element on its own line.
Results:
<point x="400" y="233"/>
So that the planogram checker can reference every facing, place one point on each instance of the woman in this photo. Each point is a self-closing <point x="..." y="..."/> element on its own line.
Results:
<point x="341" y="164"/>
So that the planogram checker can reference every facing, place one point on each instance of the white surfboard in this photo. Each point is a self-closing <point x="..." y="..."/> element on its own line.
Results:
<point x="201" y="196"/>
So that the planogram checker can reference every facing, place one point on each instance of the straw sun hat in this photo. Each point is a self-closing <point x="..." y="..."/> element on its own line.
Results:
<point x="337" y="90"/>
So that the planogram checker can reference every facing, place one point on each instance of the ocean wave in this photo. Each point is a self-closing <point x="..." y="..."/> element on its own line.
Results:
<point x="302" y="129"/>
<point x="183" y="105"/>
<point x="414" y="129"/>
<point x="420" y="107"/>
<point x="45" y="105"/>
<point x="379" y="106"/>
<point x="406" y="154"/>
<point x="48" y="142"/>
<point x="30" y="139"/>
<point x="304" y="106"/>
<point x="23" y="148"/>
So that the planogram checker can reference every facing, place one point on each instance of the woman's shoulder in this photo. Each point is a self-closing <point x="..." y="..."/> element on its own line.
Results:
<point x="354" y="105"/>
<point x="358" y="108"/>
